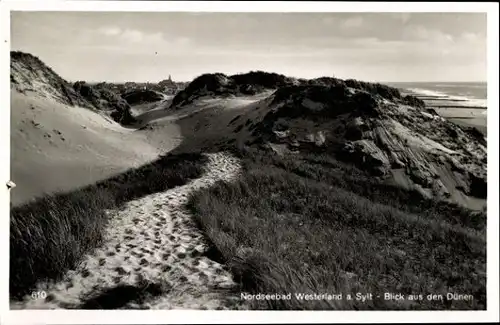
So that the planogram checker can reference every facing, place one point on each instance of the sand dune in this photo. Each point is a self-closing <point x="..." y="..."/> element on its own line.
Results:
<point x="153" y="239"/>
<point x="55" y="147"/>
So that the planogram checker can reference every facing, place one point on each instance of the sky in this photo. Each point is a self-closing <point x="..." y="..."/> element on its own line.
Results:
<point x="149" y="46"/>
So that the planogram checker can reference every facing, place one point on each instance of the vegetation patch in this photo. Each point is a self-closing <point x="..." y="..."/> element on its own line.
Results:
<point x="50" y="235"/>
<point x="313" y="225"/>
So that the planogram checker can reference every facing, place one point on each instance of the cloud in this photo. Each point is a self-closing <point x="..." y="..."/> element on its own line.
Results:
<point x="182" y="41"/>
<point x="353" y="22"/>
<point x="110" y="31"/>
<point x="445" y="52"/>
<point x="140" y="37"/>
<point x="132" y="41"/>
<point x="365" y="41"/>
<point x="422" y="33"/>
<point x="131" y="35"/>
<point x="329" y="20"/>
<point x="470" y="37"/>
<point x="404" y="17"/>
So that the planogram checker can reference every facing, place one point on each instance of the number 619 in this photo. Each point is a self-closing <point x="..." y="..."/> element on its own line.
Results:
<point x="38" y="295"/>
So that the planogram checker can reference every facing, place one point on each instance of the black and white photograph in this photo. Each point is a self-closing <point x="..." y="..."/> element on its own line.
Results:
<point x="249" y="161"/>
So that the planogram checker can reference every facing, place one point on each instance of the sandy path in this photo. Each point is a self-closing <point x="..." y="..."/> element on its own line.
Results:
<point x="152" y="239"/>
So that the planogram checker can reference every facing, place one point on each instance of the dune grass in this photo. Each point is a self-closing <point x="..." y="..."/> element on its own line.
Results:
<point x="310" y="224"/>
<point x="49" y="235"/>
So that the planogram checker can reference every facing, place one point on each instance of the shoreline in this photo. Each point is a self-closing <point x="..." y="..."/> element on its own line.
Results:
<point x="463" y="115"/>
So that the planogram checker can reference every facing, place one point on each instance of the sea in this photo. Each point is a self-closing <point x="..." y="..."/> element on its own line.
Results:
<point x="457" y="94"/>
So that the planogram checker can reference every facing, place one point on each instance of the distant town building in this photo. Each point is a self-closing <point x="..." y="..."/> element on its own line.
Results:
<point x="168" y="86"/>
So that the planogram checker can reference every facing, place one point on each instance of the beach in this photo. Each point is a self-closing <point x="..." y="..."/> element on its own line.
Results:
<point x="462" y="103"/>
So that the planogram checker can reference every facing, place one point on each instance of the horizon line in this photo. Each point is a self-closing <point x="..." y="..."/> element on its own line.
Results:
<point x="251" y="70"/>
<point x="365" y="80"/>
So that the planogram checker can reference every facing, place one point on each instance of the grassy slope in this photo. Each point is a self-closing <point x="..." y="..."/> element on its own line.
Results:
<point x="311" y="224"/>
<point x="51" y="234"/>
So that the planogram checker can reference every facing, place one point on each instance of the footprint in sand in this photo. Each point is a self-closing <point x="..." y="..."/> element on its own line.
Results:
<point x="153" y="257"/>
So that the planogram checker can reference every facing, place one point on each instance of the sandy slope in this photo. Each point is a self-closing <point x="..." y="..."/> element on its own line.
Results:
<point x="137" y="110"/>
<point x="223" y="120"/>
<point x="152" y="239"/>
<point x="234" y="119"/>
<point x="55" y="147"/>
<point x="204" y="122"/>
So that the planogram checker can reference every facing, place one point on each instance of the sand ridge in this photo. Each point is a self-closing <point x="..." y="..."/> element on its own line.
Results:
<point x="152" y="239"/>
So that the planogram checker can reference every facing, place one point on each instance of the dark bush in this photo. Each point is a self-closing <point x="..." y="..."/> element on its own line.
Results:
<point x="261" y="79"/>
<point x="104" y="99"/>
<point x="336" y="99"/>
<point x="209" y="83"/>
<point x="414" y="101"/>
<point x="142" y="96"/>
<point x="384" y="91"/>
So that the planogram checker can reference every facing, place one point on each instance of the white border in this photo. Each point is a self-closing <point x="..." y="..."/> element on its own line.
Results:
<point x="248" y="6"/>
<point x="4" y="156"/>
<point x="195" y="317"/>
<point x="492" y="232"/>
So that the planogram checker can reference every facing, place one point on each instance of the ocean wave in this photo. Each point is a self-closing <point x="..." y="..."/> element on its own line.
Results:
<point x="427" y="92"/>
<point x="454" y="85"/>
<point x="465" y="101"/>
